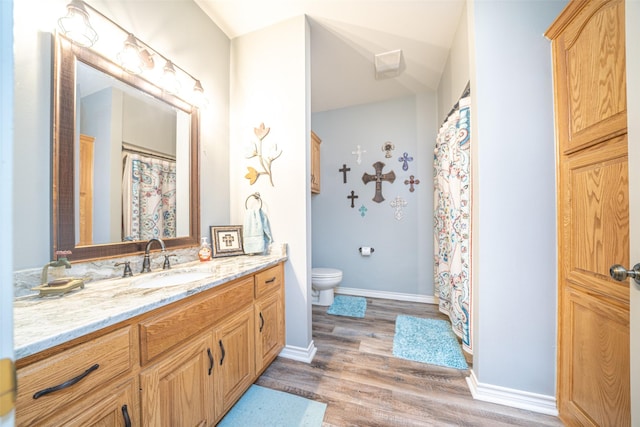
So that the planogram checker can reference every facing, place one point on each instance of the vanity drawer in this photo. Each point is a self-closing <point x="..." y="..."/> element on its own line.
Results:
<point x="269" y="280"/>
<point x="171" y="327"/>
<point x="99" y="360"/>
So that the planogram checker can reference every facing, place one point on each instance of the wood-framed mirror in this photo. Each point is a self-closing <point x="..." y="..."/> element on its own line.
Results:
<point x="78" y="219"/>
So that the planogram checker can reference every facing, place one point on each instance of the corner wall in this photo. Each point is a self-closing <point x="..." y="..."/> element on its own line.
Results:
<point x="514" y="213"/>
<point x="269" y="84"/>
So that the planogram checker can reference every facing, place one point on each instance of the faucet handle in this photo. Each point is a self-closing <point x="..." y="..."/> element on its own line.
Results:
<point x="127" y="268"/>
<point x="167" y="264"/>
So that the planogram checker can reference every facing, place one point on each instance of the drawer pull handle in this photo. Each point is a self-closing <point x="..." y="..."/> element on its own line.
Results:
<point x="273" y="279"/>
<point x="210" y="360"/>
<point x="221" y="349"/>
<point x="125" y="416"/>
<point x="261" y="322"/>
<point x="66" y="384"/>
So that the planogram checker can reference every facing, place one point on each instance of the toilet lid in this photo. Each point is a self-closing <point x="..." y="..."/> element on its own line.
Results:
<point x="325" y="272"/>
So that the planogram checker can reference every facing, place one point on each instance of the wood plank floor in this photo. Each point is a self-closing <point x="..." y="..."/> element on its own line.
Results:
<point x="355" y="374"/>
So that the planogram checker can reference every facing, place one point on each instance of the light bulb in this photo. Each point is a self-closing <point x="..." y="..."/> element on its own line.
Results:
<point x="75" y="25"/>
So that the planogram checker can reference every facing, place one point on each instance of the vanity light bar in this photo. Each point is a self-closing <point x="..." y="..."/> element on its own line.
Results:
<point x="136" y="57"/>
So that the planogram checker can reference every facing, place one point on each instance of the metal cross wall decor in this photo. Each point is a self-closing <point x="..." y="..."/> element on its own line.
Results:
<point x="358" y="153"/>
<point x="344" y="171"/>
<point x="410" y="182"/>
<point x="405" y="159"/>
<point x="352" y="197"/>
<point x="378" y="178"/>
<point x="397" y="204"/>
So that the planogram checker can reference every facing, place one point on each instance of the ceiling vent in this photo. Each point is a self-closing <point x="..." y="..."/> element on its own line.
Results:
<point x="388" y="64"/>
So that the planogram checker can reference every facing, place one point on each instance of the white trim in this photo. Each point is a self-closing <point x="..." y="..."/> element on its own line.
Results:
<point x="428" y="299"/>
<point x="510" y="397"/>
<point x="299" y="353"/>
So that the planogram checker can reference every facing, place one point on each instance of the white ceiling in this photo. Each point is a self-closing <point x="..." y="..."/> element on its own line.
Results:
<point x="347" y="34"/>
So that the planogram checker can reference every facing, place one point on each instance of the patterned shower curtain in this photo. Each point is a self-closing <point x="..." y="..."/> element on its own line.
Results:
<point x="148" y="198"/>
<point x="452" y="221"/>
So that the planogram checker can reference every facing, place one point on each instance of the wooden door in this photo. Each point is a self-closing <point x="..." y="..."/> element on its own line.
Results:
<point x="235" y="359"/>
<point x="593" y="213"/>
<point x="86" y="190"/>
<point x="315" y="163"/>
<point x="178" y="391"/>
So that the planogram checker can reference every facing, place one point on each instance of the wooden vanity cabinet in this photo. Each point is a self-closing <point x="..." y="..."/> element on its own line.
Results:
<point x="185" y="364"/>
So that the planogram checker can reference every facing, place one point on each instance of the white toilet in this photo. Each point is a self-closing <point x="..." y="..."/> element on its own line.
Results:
<point x="323" y="280"/>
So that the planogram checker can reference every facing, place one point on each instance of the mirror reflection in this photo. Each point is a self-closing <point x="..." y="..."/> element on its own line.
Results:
<point x="132" y="154"/>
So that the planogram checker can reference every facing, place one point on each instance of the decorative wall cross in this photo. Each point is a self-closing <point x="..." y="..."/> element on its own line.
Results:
<point x="358" y="153"/>
<point x="363" y="211"/>
<point x="352" y="197"/>
<point x="378" y="178"/>
<point x="388" y="147"/>
<point x="411" y="181"/>
<point x="405" y="159"/>
<point x="397" y="204"/>
<point x="344" y="171"/>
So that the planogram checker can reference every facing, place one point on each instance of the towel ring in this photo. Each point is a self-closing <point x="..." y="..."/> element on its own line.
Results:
<point x="256" y="196"/>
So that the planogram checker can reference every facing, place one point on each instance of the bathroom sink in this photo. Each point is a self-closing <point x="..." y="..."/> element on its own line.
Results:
<point x="170" y="279"/>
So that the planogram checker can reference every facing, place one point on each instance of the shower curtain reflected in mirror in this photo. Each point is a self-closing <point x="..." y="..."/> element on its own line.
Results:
<point x="148" y="198"/>
<point x="452" y="220"/>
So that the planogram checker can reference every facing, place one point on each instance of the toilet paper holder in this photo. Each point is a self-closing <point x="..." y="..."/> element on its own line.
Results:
<point x="360" y="250"/>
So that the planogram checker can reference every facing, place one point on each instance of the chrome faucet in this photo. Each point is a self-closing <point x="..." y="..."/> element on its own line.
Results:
<point x="57" y="263"/>
<point x="146" y="262"/>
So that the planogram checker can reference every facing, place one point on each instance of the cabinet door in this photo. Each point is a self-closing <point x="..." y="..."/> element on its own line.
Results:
<point x="235" y="359"/>
<point x="269" y="329"/>
<point x="178" y="390"/>
<point x="111" y="407"/>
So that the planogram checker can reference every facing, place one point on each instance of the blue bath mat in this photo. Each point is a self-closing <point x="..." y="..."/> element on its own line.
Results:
<point x="261" y="406"/>
<point x="345" y="305"/>
<point x="429" y="341"/>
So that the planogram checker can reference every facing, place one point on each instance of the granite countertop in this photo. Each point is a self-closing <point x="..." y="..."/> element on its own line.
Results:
<point x="44" y="322"/>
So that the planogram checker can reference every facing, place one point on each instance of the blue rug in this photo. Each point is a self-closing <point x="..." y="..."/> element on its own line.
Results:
<point x="344" y="305"/>
<point x="429" y="341"/>
<point x="262" y="407"/>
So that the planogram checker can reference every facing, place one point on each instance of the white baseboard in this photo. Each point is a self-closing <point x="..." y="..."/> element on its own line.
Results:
<point x="299" y="353"/>
<point x="386" y="295"/>
<point x="510" y="397"/>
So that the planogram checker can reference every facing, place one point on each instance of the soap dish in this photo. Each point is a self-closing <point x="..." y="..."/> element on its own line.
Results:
<point x="59" y="286"/>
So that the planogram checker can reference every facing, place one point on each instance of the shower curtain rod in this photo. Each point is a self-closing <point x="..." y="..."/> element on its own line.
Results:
<point x="135" y="149"/>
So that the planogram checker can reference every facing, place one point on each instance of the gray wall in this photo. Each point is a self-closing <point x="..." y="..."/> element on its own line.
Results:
<point x="403" y="259"/>
<point x="179" y="30"/>
<point x="514" y="246"/>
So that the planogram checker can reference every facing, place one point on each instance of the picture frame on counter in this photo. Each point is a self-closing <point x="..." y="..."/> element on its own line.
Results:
<point x="226" y="240"/>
